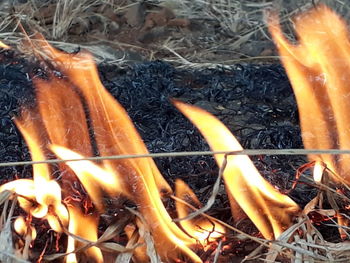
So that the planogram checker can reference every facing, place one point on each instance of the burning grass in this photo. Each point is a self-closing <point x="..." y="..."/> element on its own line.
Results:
<point x="121" y="208"/>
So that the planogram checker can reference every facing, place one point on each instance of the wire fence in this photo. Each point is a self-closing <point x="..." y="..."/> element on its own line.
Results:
<point x="252" y="152"/>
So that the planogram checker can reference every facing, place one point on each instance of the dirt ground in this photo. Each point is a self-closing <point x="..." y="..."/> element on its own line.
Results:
<point x="193" y="33"/>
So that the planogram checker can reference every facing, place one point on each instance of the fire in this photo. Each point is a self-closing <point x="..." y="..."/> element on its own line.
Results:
<point x="43" y="195"/>
<point x="60" y="126"/>
<point x="22" y="228"/>
<point x="83" y="226"/>
<point x="318" y="69"/>
<point x="270" y="210"/>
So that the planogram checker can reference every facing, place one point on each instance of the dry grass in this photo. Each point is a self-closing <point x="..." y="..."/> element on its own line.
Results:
<point x="302" y="242"/>
<point x="221" y="31"/>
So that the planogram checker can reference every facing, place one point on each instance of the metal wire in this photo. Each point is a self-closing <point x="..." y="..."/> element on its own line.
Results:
<point x="179" y="154"/>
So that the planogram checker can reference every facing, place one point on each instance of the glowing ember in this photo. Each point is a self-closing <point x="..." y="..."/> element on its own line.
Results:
<point x="318" y="68"/>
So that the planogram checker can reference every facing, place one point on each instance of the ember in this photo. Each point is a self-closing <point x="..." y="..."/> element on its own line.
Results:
<point x="75" y="118"/>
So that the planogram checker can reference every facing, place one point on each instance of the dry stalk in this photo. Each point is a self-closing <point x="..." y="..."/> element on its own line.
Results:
<point x="127" y="256"/>
<point x="100" y="243"/>
<point x="66" y="11"/>
<point x="217" y="253"/>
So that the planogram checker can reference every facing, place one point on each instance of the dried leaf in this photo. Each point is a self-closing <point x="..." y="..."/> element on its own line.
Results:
<point x="126" y="256"/>
<point x="311" y="205"/>
<point x="109" y="233"/>
<point x="113" y="247"/>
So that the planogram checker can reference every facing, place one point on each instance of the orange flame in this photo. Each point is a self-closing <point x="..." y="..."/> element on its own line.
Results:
<point x="115" y="135"/>
<point x="269" y="210"/>
<point x="318" y="69"/>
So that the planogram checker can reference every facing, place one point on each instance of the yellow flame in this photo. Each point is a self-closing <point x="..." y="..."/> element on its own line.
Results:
<point x="90" y="175"/>
<point x="47" y="191"/>
<point x="23" y="229"/>
<point x="84" y="226"/>
<point x="271" y="211"/>
<point x="318" y="171"/>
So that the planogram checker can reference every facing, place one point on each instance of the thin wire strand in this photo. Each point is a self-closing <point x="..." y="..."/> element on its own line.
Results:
<point x="181" y="154"/>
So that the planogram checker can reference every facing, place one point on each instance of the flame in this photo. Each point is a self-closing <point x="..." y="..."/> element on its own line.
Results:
<point x="23" y="228"/>
<point x="115" y="134"/>
<point x="90" y="175"/>
<point x="318" y="69"/>
<point x="83" y="226"/>
<point x="3" y="45"/>
<point x="269" y="210"/>
<point x="318" y="171"/>
<point x="200" y="228"/>
<point x="42" y="194"/>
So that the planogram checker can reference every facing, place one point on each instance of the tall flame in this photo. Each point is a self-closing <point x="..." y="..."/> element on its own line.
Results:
<point x="318" y="68"/>
<point x="270" y="210"/>
<point x="115" y="134"/>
